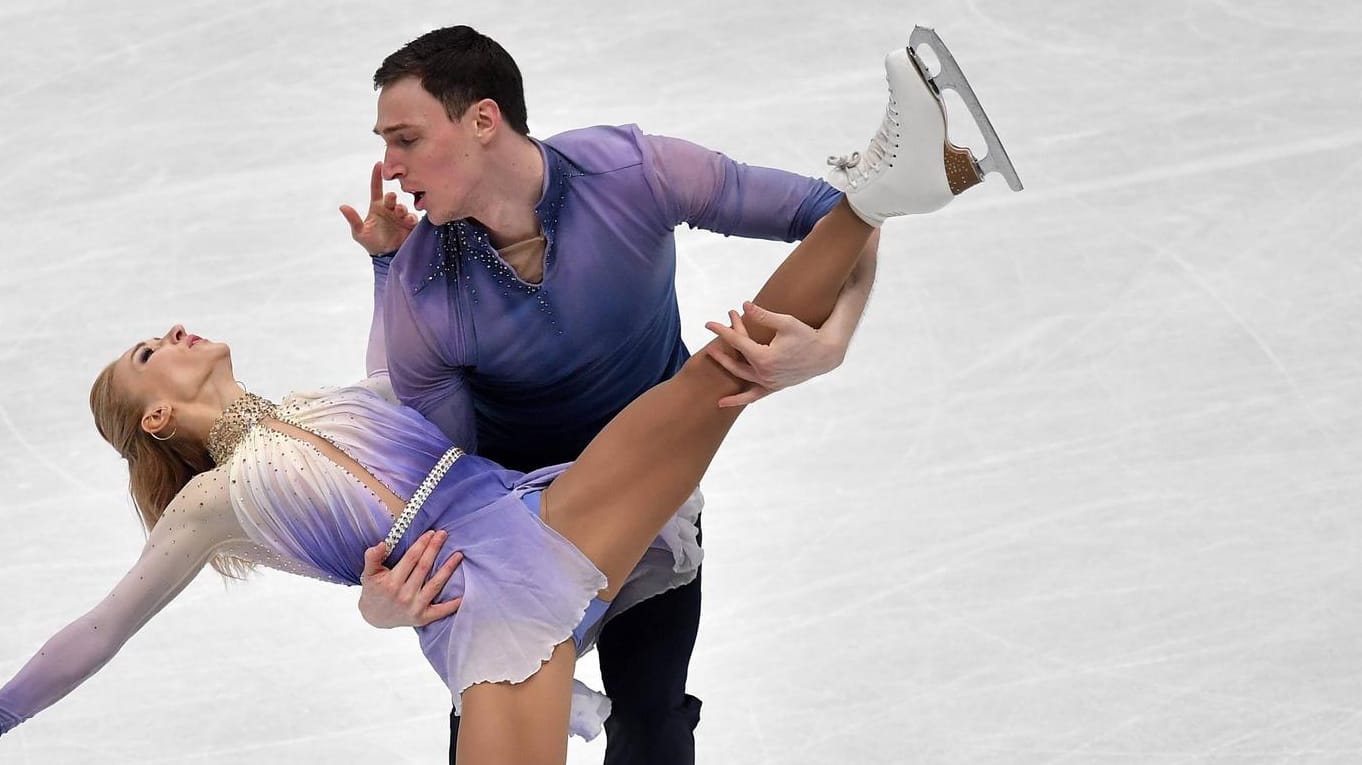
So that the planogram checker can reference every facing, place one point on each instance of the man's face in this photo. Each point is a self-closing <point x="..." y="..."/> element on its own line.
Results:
<point x="437" y="160"/>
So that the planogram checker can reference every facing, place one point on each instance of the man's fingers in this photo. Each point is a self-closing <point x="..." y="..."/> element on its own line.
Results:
<point x="373" y="559"/>
<point x="739" y="369"/>
<point x="750" y="394"/>
<point x="352" y="217"/>
<point x="739" y="342"/>
<point x="412" y="556"/>
<point x="427" y="561"/>
<point x="376" y="182"/>
<point x="768" y="319"/>
<point x="441" y="610"/>
<point x="441" y="577"/>
<point x="390" y="200"/>
<point x="735" y="321"/>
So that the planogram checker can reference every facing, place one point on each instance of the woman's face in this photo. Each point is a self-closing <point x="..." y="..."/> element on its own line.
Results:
<point x="176" y="368"/>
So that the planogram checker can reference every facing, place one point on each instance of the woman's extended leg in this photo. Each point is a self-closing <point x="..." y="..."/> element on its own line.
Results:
<point x="631" y="478"/>
<point x="521" y="724"/>
<point x="629" y="481"/>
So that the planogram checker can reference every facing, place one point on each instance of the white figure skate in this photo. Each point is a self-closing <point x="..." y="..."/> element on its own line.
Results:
<point x="910" y="166"/>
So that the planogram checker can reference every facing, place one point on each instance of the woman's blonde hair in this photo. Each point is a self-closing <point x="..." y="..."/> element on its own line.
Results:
<point x="157" y="470"/>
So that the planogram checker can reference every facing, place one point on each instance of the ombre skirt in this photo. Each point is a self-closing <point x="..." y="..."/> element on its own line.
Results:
<point x="525" y="587"/>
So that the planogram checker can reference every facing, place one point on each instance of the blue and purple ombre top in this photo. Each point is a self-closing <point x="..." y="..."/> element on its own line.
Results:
<point x="523" y="374"/>
<point x="527" y="374"/>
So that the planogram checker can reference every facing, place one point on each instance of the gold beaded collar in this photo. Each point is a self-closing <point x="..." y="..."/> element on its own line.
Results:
<point x="235" y="422"/>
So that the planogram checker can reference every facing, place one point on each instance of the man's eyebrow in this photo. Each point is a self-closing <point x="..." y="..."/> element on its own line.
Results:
<point x="393" y="128"/>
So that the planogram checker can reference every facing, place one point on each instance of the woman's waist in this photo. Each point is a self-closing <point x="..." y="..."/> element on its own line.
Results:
<point x="454" y="491"/>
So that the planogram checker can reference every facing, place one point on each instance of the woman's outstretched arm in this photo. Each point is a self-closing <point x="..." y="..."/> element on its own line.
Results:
<point x="196" y="524"/>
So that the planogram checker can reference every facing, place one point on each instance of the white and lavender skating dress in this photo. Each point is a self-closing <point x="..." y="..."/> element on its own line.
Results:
<point x="277" y="499"/>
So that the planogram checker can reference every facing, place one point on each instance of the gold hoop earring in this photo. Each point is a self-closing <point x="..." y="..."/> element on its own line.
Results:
<point x="167" y="438"/>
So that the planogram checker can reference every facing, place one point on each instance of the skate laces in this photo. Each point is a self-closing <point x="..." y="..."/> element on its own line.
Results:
<point x="845" y="162"/>
<point x="880" y="152"/>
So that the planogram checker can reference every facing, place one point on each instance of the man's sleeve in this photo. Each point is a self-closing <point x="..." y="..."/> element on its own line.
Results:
<point x="376" y="355"/>
<point x="420" y="375"/>
<point x="708" y="190"/>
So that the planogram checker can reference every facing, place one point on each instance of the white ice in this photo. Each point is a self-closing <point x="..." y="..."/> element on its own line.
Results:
<point x="1085" y="491"/>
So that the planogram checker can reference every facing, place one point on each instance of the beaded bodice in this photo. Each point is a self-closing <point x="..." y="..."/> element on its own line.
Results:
<point x="290" y="494"/>
<point x="235" y="422"/>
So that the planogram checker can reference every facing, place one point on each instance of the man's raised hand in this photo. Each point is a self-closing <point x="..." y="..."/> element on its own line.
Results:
<point x="388" y="223"/>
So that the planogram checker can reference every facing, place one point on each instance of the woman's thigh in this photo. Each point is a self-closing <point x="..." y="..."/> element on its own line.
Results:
<point x="634" y="475"/>
<point x="523" y="723"/>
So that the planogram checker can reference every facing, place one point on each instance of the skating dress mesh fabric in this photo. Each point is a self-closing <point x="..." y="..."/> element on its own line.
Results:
<point x="279" y="501"/>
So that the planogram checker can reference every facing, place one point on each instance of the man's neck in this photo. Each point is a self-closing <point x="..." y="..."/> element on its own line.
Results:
<point x="508" y="210"/>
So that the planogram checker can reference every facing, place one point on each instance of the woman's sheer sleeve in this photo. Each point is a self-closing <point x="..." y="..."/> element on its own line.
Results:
<point x="198" y="522"/>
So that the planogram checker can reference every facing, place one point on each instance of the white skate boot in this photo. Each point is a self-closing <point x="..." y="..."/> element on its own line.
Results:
<point x="910" y="167"/>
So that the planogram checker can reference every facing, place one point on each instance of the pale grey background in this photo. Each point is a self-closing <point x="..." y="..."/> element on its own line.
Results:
<point x="1084" y="492"/>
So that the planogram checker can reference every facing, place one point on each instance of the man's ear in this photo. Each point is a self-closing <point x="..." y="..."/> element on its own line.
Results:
<point x="487" y="119"/>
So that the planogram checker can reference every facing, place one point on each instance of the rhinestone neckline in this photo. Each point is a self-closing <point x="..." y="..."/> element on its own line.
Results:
<point x="235" y="422"/>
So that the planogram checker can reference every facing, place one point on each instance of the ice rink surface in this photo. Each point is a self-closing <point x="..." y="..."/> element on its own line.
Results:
<point x="1086" y="489"/>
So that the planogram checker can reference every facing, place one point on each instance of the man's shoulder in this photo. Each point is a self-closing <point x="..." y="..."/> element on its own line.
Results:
<point x="600" y="148"/>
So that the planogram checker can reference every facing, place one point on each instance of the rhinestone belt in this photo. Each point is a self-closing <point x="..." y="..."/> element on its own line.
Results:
<point x="420" y="496"/>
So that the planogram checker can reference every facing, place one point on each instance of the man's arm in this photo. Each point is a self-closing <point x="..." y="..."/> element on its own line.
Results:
<point x="403" y="596"/>
<point x="381" y="232"/>
<point x="798" y="352"/>
<point x="421" y="375"/>
<point x="708" y="190"/>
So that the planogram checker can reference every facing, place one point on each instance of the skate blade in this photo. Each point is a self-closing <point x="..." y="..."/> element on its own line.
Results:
<point x="950" y="76"/>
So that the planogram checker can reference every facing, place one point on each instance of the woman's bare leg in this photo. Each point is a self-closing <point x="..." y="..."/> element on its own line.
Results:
<point x="631" y="479"/>
<point x="521" y="724"/>
<point x="626" y="485"/>
<point x="633" y="476"/>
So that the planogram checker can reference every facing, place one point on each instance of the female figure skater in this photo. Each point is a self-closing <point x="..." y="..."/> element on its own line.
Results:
<point x="225" y="477"/>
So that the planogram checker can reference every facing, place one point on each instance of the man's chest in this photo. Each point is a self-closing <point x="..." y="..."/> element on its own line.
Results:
<point x="589" y="298"/>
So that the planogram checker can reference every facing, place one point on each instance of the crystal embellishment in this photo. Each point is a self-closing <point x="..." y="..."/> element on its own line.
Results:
<point x="235" y="422"/>
<point x="420" y="496"/>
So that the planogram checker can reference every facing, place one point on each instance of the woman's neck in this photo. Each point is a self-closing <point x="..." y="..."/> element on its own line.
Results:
<point x="195" y="419"/>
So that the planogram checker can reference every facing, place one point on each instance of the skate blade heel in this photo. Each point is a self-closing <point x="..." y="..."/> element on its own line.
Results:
<point x="962" y="171"/>
<point x="950" y="77"/>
